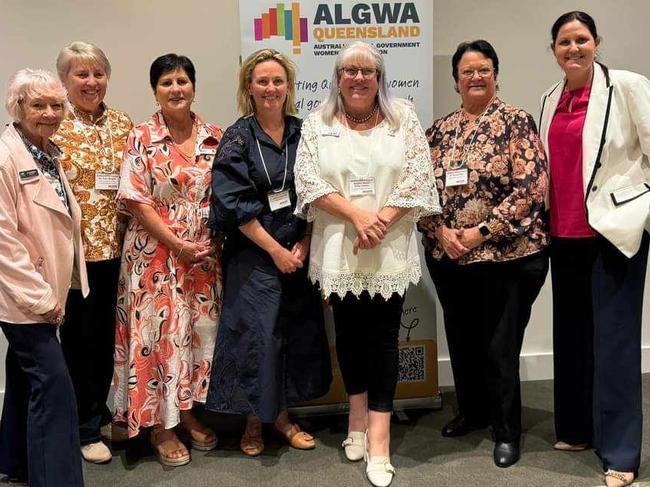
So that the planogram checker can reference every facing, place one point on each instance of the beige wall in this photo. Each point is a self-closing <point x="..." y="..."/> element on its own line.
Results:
<point x="133" y="33"/>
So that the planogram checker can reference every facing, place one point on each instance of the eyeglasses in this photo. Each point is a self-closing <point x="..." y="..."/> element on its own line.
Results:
<point x="482" y="73"/>
<point x="367" y="73"/>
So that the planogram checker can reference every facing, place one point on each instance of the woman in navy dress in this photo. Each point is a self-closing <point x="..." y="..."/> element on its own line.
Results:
<point x="271" y="350"/>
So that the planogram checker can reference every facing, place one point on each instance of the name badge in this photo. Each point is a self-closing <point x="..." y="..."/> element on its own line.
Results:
<point x="107" y="181"/>
<point x="279" y="200"/>
<point x="327" y="131"/>
<point x="27" y="176"/>
<point x="362" y="186"/>
<point x="204" y="212"/>
<point x="456" y="177"/>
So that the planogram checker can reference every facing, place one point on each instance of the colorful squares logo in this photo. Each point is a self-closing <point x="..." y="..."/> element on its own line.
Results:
<point x="281" y="22"/>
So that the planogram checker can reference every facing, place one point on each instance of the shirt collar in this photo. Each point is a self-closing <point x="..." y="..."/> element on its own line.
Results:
<point x="291" y="127"/>
<point x="87" y="118"/>
<point x="50" y="153"/>
<point x="206" y="142"/>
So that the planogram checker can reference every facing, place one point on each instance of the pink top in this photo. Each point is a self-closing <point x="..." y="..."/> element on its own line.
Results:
<point x="568" y="217"/>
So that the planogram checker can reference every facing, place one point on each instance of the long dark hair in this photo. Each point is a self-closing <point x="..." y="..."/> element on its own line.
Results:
<point x="585" y="19"/>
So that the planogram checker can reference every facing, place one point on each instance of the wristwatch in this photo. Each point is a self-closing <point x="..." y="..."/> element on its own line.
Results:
<point x="485" y="231"/>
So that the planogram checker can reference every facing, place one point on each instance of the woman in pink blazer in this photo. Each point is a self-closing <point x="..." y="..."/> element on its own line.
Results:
<point x="41" y="256"/>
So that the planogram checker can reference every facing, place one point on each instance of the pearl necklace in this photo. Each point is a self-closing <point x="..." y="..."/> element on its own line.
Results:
<point x="372" y="113"/>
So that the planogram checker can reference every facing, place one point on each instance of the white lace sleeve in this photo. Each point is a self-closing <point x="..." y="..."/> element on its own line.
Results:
<point x="416" y="187"/>
<point x="309" y="185"/>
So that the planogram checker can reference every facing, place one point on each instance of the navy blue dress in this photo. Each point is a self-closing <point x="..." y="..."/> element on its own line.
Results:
<point x="271" y="350"/>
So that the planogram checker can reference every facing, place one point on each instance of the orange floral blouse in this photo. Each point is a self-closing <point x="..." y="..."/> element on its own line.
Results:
<point x="507" y="183"/>
<point x="89" y="146"/>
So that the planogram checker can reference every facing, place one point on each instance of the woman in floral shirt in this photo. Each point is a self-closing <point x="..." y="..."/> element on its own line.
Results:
<point x="485" y="251"/>
<point x="169" y="290"/>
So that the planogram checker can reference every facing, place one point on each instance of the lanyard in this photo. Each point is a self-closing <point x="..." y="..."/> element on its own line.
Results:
<point x="93" y="149"/>
<point x="473" y="138"/>
<point x="286" y="165"/>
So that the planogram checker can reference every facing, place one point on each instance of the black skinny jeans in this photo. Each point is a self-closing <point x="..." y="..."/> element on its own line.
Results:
<point x="367" y="333"/>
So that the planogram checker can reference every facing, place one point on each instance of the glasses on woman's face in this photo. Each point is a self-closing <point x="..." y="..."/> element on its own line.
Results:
<point x="351" y="72"/>
<point x="482" y="73"/>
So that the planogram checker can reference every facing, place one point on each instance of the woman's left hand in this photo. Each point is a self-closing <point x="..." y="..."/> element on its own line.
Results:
<point x="301" y="248"/>
<point x="471" y="237"/>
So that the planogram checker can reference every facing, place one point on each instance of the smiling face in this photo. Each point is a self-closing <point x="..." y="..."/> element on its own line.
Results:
<point x="42" y="116"/>
<point x="575" y="49"/>
<point x="268" y="86"/>
<point x="174" y="91"/>
<point x="477" y="83"/>
<point x="359" y="84"/>
<point x="86" y="84"/>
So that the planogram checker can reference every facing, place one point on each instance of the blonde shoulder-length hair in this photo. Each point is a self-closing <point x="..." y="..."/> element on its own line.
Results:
<point x="362" y="52"/>
<point x="244" y="100"/>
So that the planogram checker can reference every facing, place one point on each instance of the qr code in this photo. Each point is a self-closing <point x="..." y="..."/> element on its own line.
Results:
<point x="412" y="363"/>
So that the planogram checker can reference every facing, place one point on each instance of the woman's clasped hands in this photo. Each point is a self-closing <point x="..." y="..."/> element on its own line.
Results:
<point x="195" y="252"/>
<point x="371" y="229"/>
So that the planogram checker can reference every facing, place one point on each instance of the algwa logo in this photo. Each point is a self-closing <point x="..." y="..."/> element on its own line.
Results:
<point x="282" y="22"/>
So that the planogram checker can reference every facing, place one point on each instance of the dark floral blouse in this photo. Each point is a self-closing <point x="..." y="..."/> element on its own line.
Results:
<point x="507" y="183"/>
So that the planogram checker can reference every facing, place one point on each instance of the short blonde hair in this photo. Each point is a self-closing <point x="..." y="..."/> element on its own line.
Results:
<point x="28" y="84"/>
<point x="244" y="103"/>
<point x="84" y="52"/>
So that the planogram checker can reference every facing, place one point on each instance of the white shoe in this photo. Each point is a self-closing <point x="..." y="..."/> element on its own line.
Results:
<point x="96" y="453"/>
<point x="354" y="445"/>
<point x="379" y="471"/>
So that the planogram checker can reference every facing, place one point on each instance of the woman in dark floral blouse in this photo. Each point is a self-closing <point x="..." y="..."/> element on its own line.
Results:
<point x="485" y="252"/>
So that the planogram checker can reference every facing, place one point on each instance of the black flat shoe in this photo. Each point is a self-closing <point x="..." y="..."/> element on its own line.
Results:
<point x="460" y="426"/>
<point x="506" y="454"/>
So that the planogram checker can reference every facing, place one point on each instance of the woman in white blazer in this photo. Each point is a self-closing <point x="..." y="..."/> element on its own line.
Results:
<point x="41" y="252"/>
<point x="595" y="126"/>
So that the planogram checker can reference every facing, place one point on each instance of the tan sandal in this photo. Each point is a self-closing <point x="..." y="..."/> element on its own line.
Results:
<point x="166" y="447"/>
<point x="618" y="479"/>
<point x="297" y="438"/>
<point x="201" y="437"/>
<point x="252" y="443"/>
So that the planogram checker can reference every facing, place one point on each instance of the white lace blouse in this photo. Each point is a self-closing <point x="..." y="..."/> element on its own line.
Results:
<point x="328" y="158"/>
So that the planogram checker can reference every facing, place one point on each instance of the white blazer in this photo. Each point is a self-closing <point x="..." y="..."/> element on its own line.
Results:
<point x="615" y="151"/>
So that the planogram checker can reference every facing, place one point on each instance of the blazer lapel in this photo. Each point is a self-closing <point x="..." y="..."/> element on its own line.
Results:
<point x="594" y="130"/>
<point x="45" y="194"/>
<point x="549" y="105"/>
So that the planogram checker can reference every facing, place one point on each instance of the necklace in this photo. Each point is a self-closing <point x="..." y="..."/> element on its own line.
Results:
<point x="452" y="163"/>
<point x="373" y="112"/>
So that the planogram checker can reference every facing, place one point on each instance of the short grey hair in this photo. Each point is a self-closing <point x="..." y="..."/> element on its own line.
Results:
<point x="389" y="105"/>
<point x="84" y="52"/>
<point x="28" y="84"/>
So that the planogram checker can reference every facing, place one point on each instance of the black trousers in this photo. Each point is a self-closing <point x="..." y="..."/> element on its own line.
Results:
<point x="88" y="342"/>
<point x="486" y="310"/>
<point x="38" y="431"/>
<point x="367" y="336"/>
<point x="597" y="306"/>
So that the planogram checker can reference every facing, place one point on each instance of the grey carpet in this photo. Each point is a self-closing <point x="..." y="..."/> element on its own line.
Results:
<point x="421" y="456"/>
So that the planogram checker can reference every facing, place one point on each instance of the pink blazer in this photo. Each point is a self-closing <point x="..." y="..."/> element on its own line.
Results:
<point x="40" y="241"/>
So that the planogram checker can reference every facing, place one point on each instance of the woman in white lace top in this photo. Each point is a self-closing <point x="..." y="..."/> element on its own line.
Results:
<point x="363" y="176"/>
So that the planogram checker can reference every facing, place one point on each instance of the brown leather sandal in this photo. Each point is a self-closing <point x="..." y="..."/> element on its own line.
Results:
<point x="201" y="437"/>
<point x="252" y="443"/>
<point x="297" y="438"/>
<point x="166" y="447"/>
<point x="564" y="446"/>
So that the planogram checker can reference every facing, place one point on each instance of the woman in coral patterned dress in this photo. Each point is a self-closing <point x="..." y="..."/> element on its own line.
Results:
<point x="169" y="292"/>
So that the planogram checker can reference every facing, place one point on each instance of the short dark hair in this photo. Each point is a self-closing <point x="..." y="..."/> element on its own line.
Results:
<point x="581" y="17"/>
<point x="168" y="63"/>
<point x="480" y="45"/>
